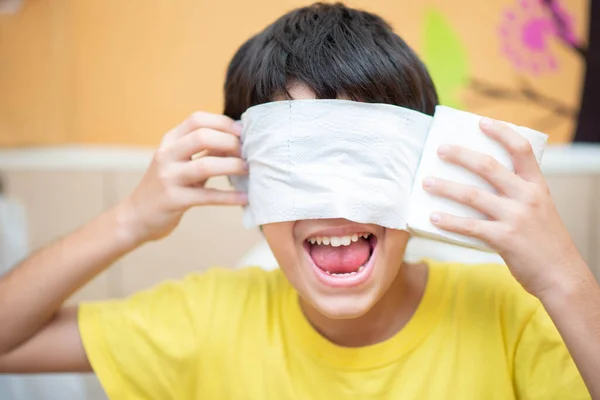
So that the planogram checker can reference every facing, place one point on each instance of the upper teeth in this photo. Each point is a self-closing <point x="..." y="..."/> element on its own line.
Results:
<point x="337" y="241"/>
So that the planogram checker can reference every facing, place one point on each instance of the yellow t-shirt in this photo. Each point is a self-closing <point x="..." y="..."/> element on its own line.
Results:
<point x="240" y="334"/>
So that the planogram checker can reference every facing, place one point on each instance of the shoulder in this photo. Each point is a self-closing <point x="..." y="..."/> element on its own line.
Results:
<point x="242" y="282"/>
<point x="177" y="327"/>
<point x="194" y="299"/>
<point x="229" y="296"/>
<point x="488" y="289"/>
<point x="483" y="280"/>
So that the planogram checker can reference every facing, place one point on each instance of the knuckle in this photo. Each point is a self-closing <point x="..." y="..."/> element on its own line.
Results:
<point x="522" y="147"/>
<point x="470" y="196"/>
<point x="164" y="178"/>
<point x="167" y="136"/>
<point x="470" y="227"/>
<point x="511" y="231"/>
<point x="200" y="139"/>
<point x="239" y="164"/>
<point x="161" y="156"/>
<point x="203" y="169"/>
<point x="212" y="197"/>
<point x="197" y="118"/>
<point x="533" y="198"/>
<point x="534" y="201"/>
<point x="171" y="197"/>
<point x="502" y="236"/>
<point x="519" y="214"/>
<point x="487" y="166"/>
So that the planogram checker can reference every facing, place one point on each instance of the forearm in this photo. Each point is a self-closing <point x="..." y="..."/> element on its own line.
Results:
<point x="34" y="291"/>
<point x="574" y="306"/>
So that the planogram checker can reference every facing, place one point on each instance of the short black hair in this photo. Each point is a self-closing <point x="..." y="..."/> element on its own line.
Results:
<point x="334" y="50"/>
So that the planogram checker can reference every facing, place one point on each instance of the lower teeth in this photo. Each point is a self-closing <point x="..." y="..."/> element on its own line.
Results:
<point x="346" y="273"/>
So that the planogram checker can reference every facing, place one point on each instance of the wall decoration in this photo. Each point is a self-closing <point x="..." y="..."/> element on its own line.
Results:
<point x="446" y="58"/>
<point x="528" y="32"/>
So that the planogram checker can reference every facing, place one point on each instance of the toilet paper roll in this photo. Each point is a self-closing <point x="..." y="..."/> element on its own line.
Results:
<point x="457" y="127"/>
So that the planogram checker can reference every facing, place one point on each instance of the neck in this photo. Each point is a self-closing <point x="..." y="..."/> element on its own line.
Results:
<point x="386" y="318"/>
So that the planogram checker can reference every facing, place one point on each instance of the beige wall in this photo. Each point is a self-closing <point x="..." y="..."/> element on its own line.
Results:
<point x="577" y="200"/>
<point x="113" y="71"/>
<point x="60" y="201"/>
<point x="36" y="75"/>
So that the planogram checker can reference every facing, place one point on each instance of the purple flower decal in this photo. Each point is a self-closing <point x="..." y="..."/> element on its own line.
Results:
<point x="527" y="29"/>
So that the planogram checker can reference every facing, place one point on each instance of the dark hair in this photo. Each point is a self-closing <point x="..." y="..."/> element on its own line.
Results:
<point x="336" y="52"/>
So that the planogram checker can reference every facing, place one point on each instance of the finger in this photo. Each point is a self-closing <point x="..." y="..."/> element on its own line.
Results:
<point x="196" y="197"/>
<point x="211" y="153"/>
<point x="471" y="196"/>
<point x="519" y="148"/>
<point x="204" y="153"/>
<point x="201" y="119"/>
<point x="485" y="166"/>
<point x="484" y="230"/>
<point x="206" y="140"/>
<point x="207" y="167"/>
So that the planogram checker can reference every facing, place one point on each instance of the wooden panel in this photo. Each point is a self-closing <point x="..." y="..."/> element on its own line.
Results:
<point x="206" y="237"/>
<point x="58" y="202"/>
<point x="573" y="196"/>
<point x="36" y="74"/>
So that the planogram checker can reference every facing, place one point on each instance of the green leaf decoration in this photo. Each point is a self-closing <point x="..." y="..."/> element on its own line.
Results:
<point x="445" y="58"/>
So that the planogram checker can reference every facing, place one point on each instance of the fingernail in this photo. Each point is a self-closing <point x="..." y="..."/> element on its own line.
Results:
<point x="239" y="128"/>
<point x="435" y="218"/>
<point x="444" y="149"/>
<point x="246" y="166"/>
<point x="428" y="182"/>
<point x="487" y="122"/>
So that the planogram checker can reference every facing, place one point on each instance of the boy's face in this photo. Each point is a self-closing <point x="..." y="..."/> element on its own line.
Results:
<point x="340" y="268"/>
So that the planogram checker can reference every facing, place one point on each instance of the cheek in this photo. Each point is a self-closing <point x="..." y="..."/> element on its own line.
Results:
<point x="288" y="254"/>
<point x="394" y="245"/>
<point x="281" y="241"/>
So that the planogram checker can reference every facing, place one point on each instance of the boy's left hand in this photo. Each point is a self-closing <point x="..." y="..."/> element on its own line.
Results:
<point x="524" y="226"/>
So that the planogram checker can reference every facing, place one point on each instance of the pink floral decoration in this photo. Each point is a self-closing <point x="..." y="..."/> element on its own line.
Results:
<point x="527" y="29"/>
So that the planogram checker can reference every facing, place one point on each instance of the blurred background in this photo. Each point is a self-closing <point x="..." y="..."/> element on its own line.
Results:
<point x="88" y="87"/>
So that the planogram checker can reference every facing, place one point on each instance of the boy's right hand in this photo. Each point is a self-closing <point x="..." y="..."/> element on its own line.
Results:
<point x="174" y="182"/>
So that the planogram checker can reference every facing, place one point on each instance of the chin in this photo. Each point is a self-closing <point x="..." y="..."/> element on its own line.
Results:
<point x="348" y="306"/>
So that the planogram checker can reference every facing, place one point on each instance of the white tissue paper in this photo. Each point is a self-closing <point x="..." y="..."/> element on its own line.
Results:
<point x="456" y="127"/>
<point x="364" y="162"/>
<point x="314" y="159"/>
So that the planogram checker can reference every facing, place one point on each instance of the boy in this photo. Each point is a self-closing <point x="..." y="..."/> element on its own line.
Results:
<point x="419" y="331"/>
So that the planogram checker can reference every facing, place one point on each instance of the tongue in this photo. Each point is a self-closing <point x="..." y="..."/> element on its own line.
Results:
<point x="341" y="259"/>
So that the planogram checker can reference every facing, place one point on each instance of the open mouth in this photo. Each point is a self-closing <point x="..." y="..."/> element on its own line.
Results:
<point x="342" y="261"/>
